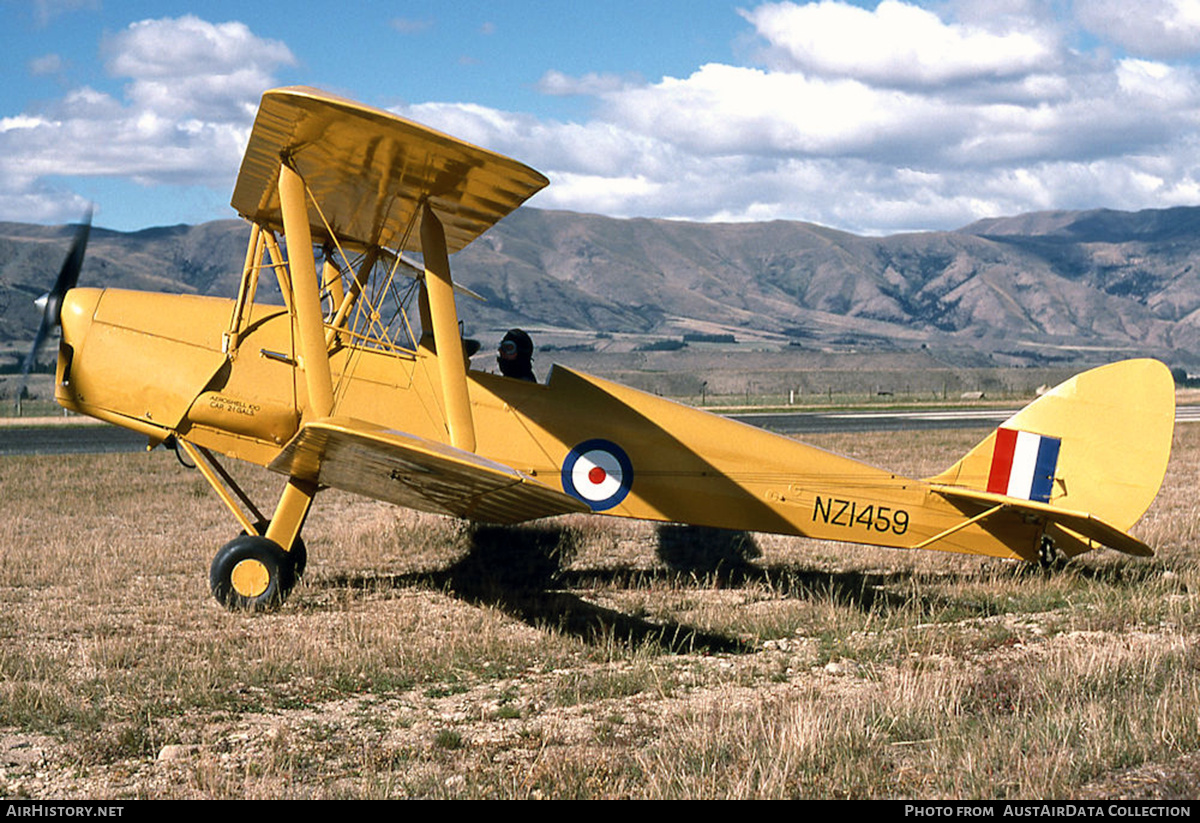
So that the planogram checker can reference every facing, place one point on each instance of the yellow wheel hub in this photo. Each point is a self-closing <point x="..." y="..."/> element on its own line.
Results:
<point x="250" y="578"/>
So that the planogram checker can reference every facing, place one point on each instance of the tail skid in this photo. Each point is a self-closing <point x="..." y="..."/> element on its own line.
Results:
<point x="1086" y="459"/>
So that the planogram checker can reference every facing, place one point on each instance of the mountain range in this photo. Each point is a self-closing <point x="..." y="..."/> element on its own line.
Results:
<point x="1035" y="289"/>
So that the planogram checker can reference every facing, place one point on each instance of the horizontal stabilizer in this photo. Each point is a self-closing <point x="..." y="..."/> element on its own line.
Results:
<point x="412" y="471"/>
<point x="1082" y="524"/>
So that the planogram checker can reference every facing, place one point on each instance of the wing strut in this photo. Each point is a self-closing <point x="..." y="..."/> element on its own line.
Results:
<point x="959" y="527"/>
<point x="452" y="365"/>
<point x="349" y="298"/>
<point x="306" y="297"/>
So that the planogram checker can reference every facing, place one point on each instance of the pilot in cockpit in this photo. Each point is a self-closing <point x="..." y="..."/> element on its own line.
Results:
<point x="516" y="356"/>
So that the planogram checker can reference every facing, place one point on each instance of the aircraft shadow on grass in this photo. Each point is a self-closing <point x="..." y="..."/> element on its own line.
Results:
<point x="524" y="572"/>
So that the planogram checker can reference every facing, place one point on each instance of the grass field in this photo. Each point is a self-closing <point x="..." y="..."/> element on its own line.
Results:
<point x="580" y="657"/>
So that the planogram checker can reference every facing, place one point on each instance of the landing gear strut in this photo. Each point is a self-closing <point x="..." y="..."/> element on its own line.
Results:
<point x="298" y="552"/>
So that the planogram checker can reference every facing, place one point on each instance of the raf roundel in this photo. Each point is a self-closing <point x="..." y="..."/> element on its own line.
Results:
<point x="598" y="472"/>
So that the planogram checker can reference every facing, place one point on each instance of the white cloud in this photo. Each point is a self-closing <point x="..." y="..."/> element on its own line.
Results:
<point x="47" y="64"/>
<point x="183" y="119"/>
<point x="1149" y="28"/>
<point x="407" y="25"/>
<point x="869" y="119"/>
<point x="21" y="121"/>
<point x="606" y="194"/>
<point x="557" y="84"/>
<point x="170" y="48"/>
<point x="46" y="10"/>
<point x="724" y="109"/>
<point x="880" y="120"/>
<point x="700" y="148"/>
<point x="897" y="44"/>
<point x="189" y="65"/>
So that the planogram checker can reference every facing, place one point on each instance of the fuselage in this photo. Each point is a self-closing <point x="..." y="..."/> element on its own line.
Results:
<point x="161" y="364"/>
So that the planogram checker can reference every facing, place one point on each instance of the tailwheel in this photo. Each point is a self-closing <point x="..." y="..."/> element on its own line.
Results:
<point x="251" y="573"/>
<point x="1049" y="557"/>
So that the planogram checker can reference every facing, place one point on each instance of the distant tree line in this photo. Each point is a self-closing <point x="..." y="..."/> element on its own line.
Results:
<point x="1183" y="379"/>
<point x="700" y="337"/>
<point x="662" y="345"/>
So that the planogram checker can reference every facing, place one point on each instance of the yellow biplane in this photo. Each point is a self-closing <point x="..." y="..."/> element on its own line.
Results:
<point x="336" y="389"/>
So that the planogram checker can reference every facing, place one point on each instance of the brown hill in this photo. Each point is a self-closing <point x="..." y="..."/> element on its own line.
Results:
<point x="1032" y="286"/>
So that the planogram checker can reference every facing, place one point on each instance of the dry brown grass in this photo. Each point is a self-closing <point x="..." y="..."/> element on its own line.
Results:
<point x="582" y="657"/>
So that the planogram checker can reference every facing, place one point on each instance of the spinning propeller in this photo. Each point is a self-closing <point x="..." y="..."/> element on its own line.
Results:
<point x="51" y="302"/>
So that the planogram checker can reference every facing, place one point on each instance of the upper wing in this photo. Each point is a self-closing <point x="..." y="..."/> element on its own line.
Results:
<point x="1083" y="525"/>
<point x="369" y="171"/>
<point x="418" y="473"/>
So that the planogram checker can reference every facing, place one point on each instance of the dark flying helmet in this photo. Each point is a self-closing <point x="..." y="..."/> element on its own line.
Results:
<point x="516" y="355"/>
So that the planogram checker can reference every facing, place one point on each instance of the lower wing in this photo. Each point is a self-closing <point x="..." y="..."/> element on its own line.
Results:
<point x="411" y="471"/>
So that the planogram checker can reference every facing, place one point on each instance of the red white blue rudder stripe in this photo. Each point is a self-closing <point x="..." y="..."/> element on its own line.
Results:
<point x="1023" y="465"/>
<point x="598" y="472"/>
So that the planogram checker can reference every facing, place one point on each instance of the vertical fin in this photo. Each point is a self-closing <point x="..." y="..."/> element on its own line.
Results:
<point x="1098" y="443"/>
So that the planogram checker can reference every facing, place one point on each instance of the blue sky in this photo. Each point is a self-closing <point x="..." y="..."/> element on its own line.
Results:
<point x="871" y="117"/>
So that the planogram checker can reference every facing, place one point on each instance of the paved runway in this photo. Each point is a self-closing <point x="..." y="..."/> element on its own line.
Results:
<point x="89" y="439"/>
<point x="863" y="421"/>
<point x="68" y="440"/>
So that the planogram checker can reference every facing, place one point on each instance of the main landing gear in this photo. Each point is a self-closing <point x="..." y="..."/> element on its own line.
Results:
<point x="253" y="572"/>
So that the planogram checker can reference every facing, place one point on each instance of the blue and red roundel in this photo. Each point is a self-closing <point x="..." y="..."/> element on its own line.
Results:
<point x="598" y="472"/>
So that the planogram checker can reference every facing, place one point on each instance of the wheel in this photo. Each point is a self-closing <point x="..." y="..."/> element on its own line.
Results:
<point x="251" y="573"/>
<point x="298" y="552"/>
<point x="1048" y="555"/>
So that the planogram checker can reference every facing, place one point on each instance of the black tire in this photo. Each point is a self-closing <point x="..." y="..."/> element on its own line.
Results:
<point x="1049" y="557"/>
<point x="298" y="552"/>
<point x="251" y="573"/>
